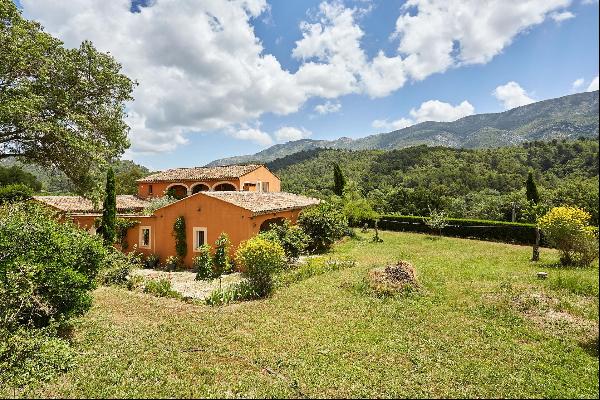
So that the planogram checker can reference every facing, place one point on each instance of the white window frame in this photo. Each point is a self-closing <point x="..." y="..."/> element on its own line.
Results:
<point x="141" y="238"/>
<point x="198" y="229"/>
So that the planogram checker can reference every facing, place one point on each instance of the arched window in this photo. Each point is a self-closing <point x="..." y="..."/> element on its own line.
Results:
<point x="224" y="187"/>
<point x="200" y="187"/>
<point x="266" y="225"/>
<point x="178" y="191"/>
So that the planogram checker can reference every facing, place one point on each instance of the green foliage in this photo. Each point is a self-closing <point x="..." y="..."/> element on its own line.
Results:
<point x="122" y="226"/>
<point x="291" y="237"/>
<point x="241" y="291"/>
<point x="355" y="207"/>
<point x="567" y="228"/>
<point x="30" y="356"/>
<point x="59" y="107"/>
<point x="47" y="268"/>
<point x="338" y="180"/>
<point x="313" y="266"/>
<point x="15" y="174"/>
<point x="109" y="210"/>
<point x="203" y="263"/>
<point x="323" y="224"/>
<point x="158" y="202"/>
<point x="173" y="263"/>
<point x="160" y="288"/>
<point x="117" y="266"/>
<point x="258" y="260"/>
<point x="151" y="261"/>
<point x="180" y="237"/>
<point x="15" y="193"/>
<point x="126" y="174"/>
<point x="437" y="221"/>
<point x="531" y="189"/>
<point x="222" y="263"/>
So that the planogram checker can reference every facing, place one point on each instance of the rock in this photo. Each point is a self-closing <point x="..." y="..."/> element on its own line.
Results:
<point x="542" y="275"/>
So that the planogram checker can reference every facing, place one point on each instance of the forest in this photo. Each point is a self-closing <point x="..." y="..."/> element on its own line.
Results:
<point x="465" y="183"/>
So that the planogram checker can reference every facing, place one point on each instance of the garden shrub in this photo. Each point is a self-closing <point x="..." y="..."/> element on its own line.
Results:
<point x="323" y="224"/>
<point x="203" y="263"/>
<point x="173" y="263"/>
<point x="117" y="266"/>
<point x="15" y="193"/>
<point x="151" y="261"/>
<point x="221" y="261"/>
<point x="291" y="237"/>
<point x="47" y="268"/>
<point x="237" y="292"/>
<point x="122" y="226"/>
<point x="180" y="237"/>
<point x="160" y="288"/>
<point x="259" y="259"/>
<point x="437" y="221"/>
<point x="567" y="228"/>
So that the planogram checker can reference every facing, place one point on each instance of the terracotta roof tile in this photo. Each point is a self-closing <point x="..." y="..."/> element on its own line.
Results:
<point x="200" y="173"/>
<point x="78" y="204"/>
<point x="264" y="203"/>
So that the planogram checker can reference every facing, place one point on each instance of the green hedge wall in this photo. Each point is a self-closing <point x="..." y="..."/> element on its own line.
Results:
<point x="509" y="232"/>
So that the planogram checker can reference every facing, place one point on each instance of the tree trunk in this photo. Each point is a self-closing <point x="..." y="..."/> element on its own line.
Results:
<point x="536" y="246"/>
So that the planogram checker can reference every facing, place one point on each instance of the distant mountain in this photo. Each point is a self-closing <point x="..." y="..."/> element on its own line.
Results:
<point x="565" y="117"/>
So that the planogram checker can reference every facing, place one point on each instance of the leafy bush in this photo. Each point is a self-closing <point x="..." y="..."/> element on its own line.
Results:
<point x="173" y="263"/>
<point x="180" y="237"/>
<point x="160" y="288"/>
<point x="122" y="225"/>
<point x="259" y="259"/>
<point x="48" y="268"/>
<point x="567" y="228"/>
<point x="117" y="267"/>
<point x="158" y="202"/>
<point x="237" y="292"/>
<point x="221" y="260"/>
<point x="437" y="221"/>
<point x="291" y="237"/>
<point x="203" y="263"/>
<point x="15" y="193"/>
<point x="151" y="261"/>
<point x="323" y="224"/>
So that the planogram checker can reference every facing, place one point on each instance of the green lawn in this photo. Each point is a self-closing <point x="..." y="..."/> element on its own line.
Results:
<point x="483" y="326"/>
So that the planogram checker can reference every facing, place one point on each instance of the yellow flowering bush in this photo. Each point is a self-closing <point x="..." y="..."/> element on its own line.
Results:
<point x="568" y="229"/>
<point x="258" y="259"/>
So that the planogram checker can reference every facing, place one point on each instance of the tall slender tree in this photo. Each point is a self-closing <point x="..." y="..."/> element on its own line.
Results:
<point x="338" y="180"/>
<point x="532" y="191"/>
<point x="109" y="209"/>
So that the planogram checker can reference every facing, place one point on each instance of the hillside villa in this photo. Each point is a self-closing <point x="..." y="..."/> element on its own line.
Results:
<point x="240" y="200"/>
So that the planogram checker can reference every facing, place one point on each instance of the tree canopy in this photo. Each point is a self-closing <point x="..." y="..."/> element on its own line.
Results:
<point x="59" y="107"/>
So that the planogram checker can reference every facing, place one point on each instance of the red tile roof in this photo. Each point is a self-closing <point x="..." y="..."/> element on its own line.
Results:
<point x="201" y="173"/>
<point x="78" y="204"/>
<point x="264" y="203"/>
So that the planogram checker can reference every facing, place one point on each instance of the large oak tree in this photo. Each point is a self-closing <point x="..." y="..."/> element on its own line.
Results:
<point x="59" y="107"/>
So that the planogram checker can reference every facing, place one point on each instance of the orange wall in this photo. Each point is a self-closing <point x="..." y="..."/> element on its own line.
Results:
<point x="264" y="175"/>
<point x="199" y="211"/>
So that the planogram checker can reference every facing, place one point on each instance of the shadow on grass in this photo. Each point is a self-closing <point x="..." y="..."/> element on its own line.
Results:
<point x="556" y="265"/>
<point x="590" y="346"/>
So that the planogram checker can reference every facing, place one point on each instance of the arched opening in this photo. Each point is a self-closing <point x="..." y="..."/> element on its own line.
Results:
<point x="269" y="223"/>
<point x="200" y="187"/>
<point x="177" y="191"/>
<point x="224" y="187"/>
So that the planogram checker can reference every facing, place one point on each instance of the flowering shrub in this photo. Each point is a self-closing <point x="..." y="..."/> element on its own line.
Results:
<point x="259" y="259"/>
<point x="567" y="228"/>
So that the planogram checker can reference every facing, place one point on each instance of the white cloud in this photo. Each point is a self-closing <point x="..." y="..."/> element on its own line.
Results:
<point x="559" y="17"/>
<point x="431" y="110"/>
<point x="577" y="83"/>
<point x="435" y="110"/>
<point x="201" y="67"/>
<point x="593" y="85"/>
<point x="289" y="133"/>
<point x="253" y="134"/>
<point x="384" y="124"/>
<point x="512" y="95"/>
<point x="328" y="107"/>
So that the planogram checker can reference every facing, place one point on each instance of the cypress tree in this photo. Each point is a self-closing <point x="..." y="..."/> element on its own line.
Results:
<point x="338" y="180"/>
<point x="109" y="209"/>
<point x="532" y="191"/>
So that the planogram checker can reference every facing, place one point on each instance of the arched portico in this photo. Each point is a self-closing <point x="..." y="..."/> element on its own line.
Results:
<point x="177" y="190"/>
<point x="199" y="187"/>
<point x="224" y="187"/>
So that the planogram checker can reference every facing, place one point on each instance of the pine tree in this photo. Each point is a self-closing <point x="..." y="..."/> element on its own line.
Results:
<point x="532" y="191"/>
<point x="109" y="209"/>
<point x="338" y="180"/>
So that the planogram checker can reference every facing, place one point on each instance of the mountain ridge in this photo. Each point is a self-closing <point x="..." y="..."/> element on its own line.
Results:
<point x="565" y="117"/>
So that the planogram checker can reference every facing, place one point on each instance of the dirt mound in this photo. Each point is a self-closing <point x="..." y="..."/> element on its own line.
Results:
<point x="393" y="278"/>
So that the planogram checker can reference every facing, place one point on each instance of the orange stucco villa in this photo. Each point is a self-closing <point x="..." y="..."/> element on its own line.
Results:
<point x="239" y="200"/>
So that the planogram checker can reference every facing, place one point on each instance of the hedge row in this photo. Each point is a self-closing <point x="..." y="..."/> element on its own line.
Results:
<point x="509" y="232"/>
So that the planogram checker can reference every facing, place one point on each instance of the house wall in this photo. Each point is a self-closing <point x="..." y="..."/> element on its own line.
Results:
<point x="264" y="175"/>
<point x="204" y="212"/>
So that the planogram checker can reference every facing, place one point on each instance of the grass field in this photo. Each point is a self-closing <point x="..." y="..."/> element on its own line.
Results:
<point x="482" y="326"/>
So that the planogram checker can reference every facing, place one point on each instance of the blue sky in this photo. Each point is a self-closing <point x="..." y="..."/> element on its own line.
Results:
<point x="220" y="81"/>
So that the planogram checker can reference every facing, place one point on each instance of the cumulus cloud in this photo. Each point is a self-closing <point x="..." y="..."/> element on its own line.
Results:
<point x="328" y="107"/>
<point x="431" y="110"/>
<point x="201" y="67"/>
<point x="559" y="17"/>
<point x="512" y="95"/>
<point x="289" y="133"/>
<point x="593" y="85"/>
<point x="577" y="84"/>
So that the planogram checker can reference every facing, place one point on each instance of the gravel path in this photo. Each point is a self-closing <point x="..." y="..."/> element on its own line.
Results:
<point x="186" y="284"/>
